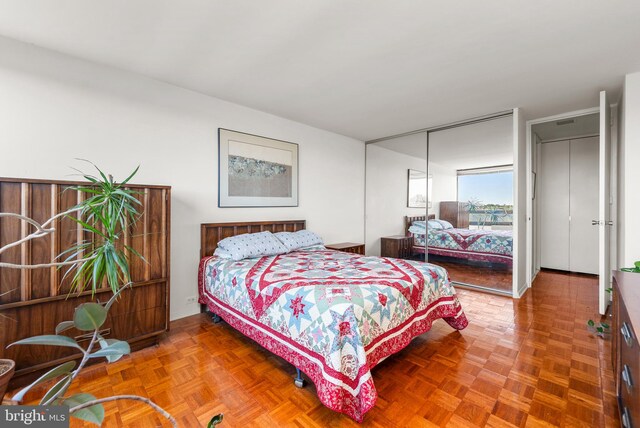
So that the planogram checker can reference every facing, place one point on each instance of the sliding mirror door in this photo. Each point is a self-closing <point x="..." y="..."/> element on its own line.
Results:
<point x="397" y="185"/>
<point x="471" y="217"/>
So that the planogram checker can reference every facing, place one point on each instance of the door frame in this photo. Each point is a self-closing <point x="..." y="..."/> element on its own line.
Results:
<point x="531" y="270"/>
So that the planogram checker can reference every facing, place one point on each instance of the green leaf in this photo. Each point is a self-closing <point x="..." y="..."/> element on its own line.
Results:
<point x="89" y="316"/>
<point x="599" y="329"/>
<point x="591" y="323"/>
<point x="51" y="374"/>
<point x="113" y="351"/>
<point x="93" y="414"/>
<point x="60" y="387"/>
<point x="215" y="420"/>
<point x="64" y="326"/>
<point x="106" y="344"/>
<point x="49" y="339"/>
<point x="604" y="324"/>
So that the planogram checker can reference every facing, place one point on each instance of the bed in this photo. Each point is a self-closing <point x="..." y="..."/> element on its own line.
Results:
<point x="494" y="246"/>
<point x="333" y="315"/>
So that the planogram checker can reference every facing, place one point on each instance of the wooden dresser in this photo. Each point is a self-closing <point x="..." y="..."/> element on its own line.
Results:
<point x="347" y="247"/>
<point x="456" y="213"/>
<point x="397" y="246"/>
<point x="626" y="349"/>
<point x="33" y="302"/>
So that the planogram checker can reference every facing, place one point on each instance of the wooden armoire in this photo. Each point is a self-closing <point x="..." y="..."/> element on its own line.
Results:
<point x="456" y="213"/>
<point x="33" y="302"/>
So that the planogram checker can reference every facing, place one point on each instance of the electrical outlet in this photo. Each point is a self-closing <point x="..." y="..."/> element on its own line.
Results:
<point x="192" y="299"/>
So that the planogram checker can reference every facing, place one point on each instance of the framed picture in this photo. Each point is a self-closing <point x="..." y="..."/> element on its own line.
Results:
<point x="417" y="189"/>
<point x="256" y="171"/>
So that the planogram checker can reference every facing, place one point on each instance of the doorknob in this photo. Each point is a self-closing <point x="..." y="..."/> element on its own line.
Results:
<point x="595" y="223"/>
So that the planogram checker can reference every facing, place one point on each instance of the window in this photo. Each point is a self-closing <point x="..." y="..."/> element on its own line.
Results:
<point x="488" y="193"/>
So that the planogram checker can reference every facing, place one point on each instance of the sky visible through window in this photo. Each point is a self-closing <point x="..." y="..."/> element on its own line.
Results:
<point x="492" y="188"/>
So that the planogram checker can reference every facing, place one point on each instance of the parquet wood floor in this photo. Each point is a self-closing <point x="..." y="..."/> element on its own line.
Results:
<point x="497" y="276"/>
<point x="524" y="363"/>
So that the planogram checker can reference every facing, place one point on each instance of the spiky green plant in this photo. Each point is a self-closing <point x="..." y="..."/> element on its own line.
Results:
<point x="106" y="212"/>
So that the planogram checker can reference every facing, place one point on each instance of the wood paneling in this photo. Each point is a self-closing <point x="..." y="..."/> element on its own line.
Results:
<point x="212" y="233"/>
<point x="36" y="300"/>
<point x="526" y="362"/>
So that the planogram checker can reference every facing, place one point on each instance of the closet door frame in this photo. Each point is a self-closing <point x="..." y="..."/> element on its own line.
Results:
<point x="531" y="268"/>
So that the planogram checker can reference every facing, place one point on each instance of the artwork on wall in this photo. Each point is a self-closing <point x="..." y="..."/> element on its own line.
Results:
<point x="256" y="171"/>
<point x="417" y="189"/>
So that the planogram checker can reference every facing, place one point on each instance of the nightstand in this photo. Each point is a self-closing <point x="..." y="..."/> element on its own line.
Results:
<point x="347" y="247"/>
<point x="397" y="246"/>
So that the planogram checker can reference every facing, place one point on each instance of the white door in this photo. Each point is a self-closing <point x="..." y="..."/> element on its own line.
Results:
<point x="553" y="178"/>
<point x="604" y="217"/>
<point x="584" y="205"/>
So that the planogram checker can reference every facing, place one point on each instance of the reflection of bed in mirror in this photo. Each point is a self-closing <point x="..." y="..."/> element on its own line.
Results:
<point x="493" y="246"/>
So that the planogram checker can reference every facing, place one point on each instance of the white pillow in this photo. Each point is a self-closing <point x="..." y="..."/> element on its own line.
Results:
<point x="445" y="224"/>
<point x="223" y="254"/>
<point x="252" y="245"/>
<point x="435" y="224"/>
<point x="299" y="239"/>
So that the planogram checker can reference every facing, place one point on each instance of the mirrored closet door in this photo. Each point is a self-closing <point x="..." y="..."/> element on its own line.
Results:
<point x="397" y="187"/>
<point x="469" y="231"/>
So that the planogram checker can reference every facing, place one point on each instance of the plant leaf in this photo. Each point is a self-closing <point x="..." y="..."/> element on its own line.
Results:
<point x="61" y="385"/>
<point x="105" y="344"/>
<point x="89" y="316"/>
<point x="53" y="373"/>
<point x="215" y="420"/>
<point x="604" y="324"/>
<point x="591" y="323"/>
<point x="64" y="326"/>
<point x="93" y="414"/>
<point x="115" y="350"/>
<point x="49" y="339"/>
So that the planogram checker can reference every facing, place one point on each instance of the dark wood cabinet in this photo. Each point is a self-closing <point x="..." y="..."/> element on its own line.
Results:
<point x="347" y="247"/>
<point x="33" y="302"/>
<point x="626" y="349"/>
<point x="397" y="246"/>
<point x="456" y="213"/>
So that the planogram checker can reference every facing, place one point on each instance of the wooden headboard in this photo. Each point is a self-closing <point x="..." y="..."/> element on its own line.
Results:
<point x="408" y="220"/>
<point x="212" y="233"/>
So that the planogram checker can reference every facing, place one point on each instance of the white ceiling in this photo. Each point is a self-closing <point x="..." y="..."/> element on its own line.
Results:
<point x="478" y="145"/>
<point x="578" y="126"/>
<point x="360" y="68"/>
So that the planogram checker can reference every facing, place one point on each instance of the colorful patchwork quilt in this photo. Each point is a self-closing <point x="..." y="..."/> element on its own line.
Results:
<point x="334" y="315"/>
<point x="494" y="246"/>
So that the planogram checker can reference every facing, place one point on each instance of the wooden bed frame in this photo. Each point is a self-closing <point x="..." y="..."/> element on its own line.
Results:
<point x="212" y="233"/>
<point x="408" y="220"/>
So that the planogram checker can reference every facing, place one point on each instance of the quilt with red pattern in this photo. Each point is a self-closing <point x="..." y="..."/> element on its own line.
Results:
<point x="332" y="314"/>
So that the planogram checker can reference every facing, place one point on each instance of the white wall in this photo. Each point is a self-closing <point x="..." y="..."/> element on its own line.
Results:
<point x="519" y="203"/>
<point x="629" y="173"/>
<point x="54" y="108"/>
<point x="445" y="186"/>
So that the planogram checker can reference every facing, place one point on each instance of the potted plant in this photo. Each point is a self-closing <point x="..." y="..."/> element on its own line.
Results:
<point x="635" y="268"/>
<point x="105" y="212"/>
<point x="7" y="367"/>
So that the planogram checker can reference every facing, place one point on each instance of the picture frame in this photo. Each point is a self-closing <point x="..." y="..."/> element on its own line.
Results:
<point x="417" y="194"/>
<point x="256" y="171"/>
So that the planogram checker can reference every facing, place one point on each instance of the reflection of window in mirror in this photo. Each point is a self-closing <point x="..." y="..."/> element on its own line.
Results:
<point x="417" y="189"/>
